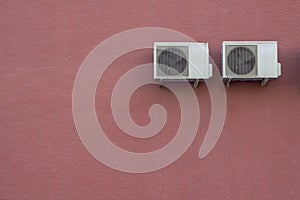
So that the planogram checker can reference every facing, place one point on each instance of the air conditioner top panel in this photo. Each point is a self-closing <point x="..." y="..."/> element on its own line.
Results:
<point x="178" y="43"/>
<point x="248" y="42"/>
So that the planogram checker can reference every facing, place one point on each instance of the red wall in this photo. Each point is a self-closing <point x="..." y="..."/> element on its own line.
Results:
<point x="43" y="46"/>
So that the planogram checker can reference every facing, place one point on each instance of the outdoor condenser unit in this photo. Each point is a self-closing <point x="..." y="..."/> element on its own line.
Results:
<point x="181" y="61"/>
<point x="246" y="60"/>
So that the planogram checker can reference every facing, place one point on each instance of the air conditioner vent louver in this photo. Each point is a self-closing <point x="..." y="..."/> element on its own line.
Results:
<point x="241" y="60"/>
<point x="172" y="62"/>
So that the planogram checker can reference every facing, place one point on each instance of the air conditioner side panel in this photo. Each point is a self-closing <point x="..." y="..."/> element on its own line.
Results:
<point x="267" y="59"/>
<point x="198" y="61"/>
<point x="223" y="54"/>
<point x="155" y="62"/>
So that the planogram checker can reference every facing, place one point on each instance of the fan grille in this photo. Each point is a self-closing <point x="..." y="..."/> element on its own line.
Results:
<point x="241" y="60"/>
<point x="172" y="62"/>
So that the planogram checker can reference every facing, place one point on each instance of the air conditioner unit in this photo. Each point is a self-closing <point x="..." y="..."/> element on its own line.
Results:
<point x="181" y="61"/>
<point x="246" y="60"/>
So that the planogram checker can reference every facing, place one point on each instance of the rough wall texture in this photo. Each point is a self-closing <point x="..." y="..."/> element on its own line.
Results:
<point x="44" y="43"/>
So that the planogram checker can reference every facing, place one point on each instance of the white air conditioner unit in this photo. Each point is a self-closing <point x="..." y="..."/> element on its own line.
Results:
<point x="246" y="60"/>
<point x="181" y="61"/>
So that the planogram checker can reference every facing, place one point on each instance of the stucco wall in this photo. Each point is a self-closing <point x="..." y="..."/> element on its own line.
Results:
<point x="43" y="45"/>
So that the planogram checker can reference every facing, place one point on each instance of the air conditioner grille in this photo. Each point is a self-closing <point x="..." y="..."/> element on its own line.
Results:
<point x="241" y="60"/>
<point x="172" y="62"/>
